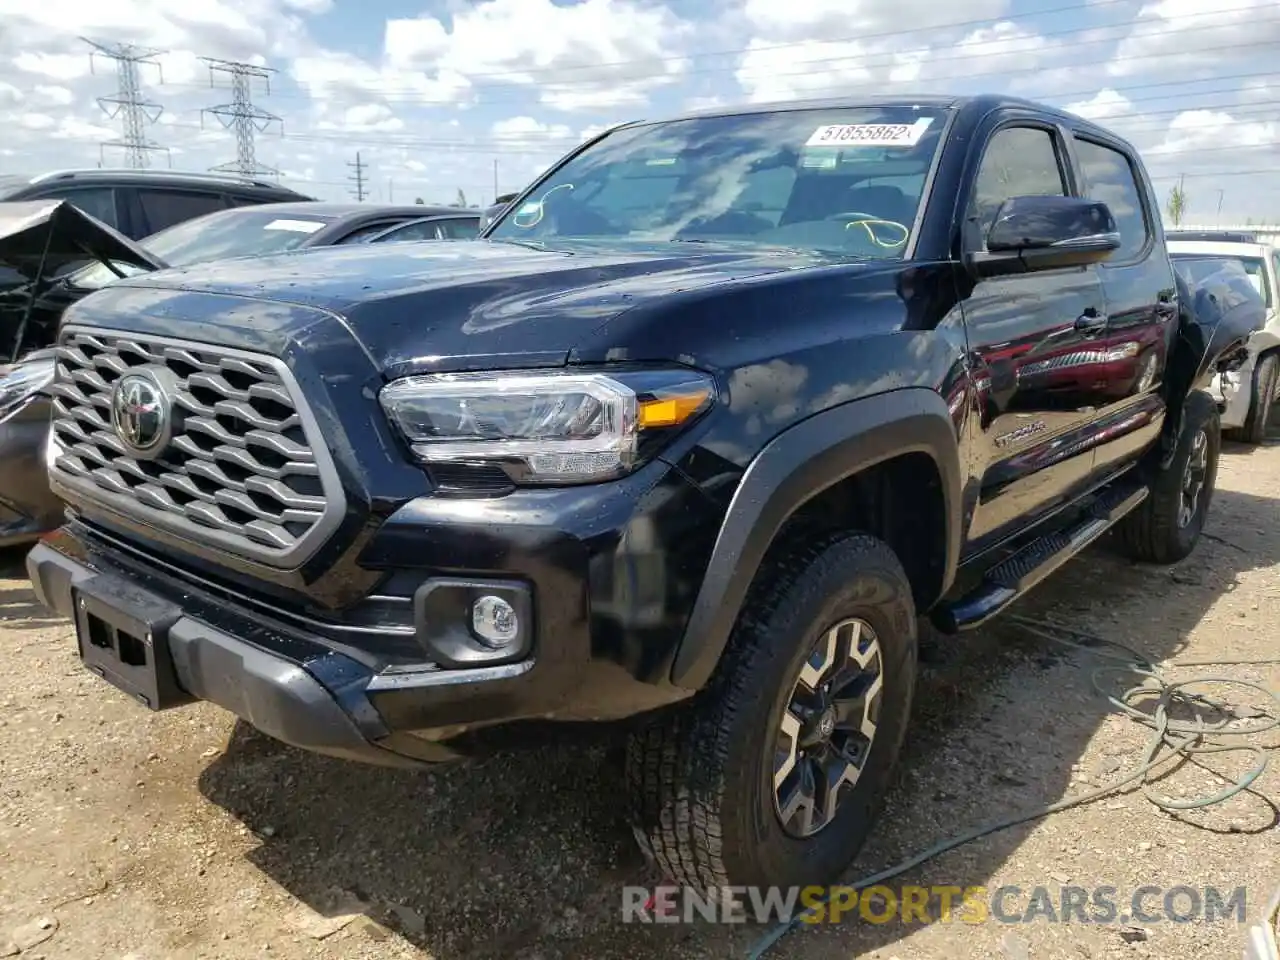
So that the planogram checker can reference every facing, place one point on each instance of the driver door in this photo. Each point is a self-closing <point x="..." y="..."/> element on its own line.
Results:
<point x="1030" y="339"/>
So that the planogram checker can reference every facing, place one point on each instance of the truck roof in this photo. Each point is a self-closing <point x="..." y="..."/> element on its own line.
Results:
<point x="991" y="101"/>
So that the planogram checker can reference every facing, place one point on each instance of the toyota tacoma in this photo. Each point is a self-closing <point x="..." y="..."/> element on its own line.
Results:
<point x="692" y="437"/>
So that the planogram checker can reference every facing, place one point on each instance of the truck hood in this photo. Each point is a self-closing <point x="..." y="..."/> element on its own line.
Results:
<point x="446" y="304"/>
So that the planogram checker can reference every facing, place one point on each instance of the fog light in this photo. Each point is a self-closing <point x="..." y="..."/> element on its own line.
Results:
<point x="474" y="623"/>
<point x="494" y="622"/>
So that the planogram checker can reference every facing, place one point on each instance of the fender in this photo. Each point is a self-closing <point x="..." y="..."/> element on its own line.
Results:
<point x="795" y="466"/>
<point x="1214" y="327"/>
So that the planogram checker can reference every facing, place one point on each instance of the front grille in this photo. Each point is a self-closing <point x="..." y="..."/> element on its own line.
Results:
<point x="244" y="467"/>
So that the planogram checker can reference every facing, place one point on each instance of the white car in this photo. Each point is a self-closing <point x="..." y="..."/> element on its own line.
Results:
<point x="1246" y="395"/>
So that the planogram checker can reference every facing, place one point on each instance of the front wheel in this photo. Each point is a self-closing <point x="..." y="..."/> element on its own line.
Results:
<point x="1165" y="527"/>
<point x="774" y="774"/>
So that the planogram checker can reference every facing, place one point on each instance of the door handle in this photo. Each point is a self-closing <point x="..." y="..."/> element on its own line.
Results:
<point x="1091" y="322"/>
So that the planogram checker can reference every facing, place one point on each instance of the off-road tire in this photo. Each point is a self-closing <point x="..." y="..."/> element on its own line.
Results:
<point x="1262" y="398"/>
<point x="699" y="776"/>
<point x="1151" y="533"/>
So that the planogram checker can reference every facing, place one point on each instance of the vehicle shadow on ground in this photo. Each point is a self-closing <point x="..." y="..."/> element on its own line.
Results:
<point x="19" y="609"/>
<point x="524" y="855"/>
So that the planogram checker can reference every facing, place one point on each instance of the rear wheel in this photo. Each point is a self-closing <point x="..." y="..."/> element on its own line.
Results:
<point x="1166" y="526"/>
<point x="774" y="774"/>
<point x="1263" y="396"/>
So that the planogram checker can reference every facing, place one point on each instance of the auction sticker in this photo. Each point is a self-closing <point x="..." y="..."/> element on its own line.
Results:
<point x="295" y="226"/>
<point x="870" y="134"/>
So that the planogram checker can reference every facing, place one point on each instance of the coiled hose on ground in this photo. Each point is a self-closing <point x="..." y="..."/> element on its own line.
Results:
<point x="1170" y="740"/>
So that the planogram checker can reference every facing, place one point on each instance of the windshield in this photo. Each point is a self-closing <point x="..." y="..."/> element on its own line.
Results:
<point x="243" y="232"/>
<point x="1196" y="267"/>
<point x="844" y="181"/>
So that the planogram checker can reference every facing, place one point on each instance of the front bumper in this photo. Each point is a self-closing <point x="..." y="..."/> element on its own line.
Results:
<point x="294" y="700"/>
<point x="610" y="572"/>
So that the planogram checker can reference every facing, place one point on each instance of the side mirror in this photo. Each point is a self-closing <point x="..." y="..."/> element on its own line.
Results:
<point x="1047" y="233"/>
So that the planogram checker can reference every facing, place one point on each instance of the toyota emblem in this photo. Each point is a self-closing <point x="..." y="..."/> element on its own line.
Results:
<point x="140" y="414"/>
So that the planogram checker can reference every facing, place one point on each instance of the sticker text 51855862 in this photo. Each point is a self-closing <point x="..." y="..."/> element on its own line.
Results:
<point x="870" y="134"/>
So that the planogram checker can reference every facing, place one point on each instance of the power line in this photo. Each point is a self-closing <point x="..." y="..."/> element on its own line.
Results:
<point x="1091" y="6"/>
<point x="128" y="103"/>
<point x="358" y="178"/>
<point x="1135" y="119"/>
<point x="241" y="115"/>
<point x="995" y="47"/>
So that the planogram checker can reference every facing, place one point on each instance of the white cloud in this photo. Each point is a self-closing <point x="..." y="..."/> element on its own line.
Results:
<point x="53" y="96"/>
<point x="1106" y="104"/>
<point x="1217" y="131"/>
<point x="813" y="49"/>
<point x="55" y="66"/>
<point x="529" y="130"/>
<point x="694" y="104"/>
<point x="768" y="72"/>
<point x="365" y="117"/>
<point x="1185" y="34"/>
<point x="595" y="54"/>
<point x="36" y="121"/>
<point x="838" y="20"/>
<point x="593" y="131"/>
<point x="333" y="75"/>
<point x="474" y="85"/>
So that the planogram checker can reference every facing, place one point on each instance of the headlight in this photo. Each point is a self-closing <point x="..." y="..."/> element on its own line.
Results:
<point x="21" y="381"/>
<point x="548" y="427"/>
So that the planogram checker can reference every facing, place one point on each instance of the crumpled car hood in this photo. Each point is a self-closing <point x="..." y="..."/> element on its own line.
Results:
<point x="39" y="240"/>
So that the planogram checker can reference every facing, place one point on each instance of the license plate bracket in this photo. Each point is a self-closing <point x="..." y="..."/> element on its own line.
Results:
<point x="123" y="635"/>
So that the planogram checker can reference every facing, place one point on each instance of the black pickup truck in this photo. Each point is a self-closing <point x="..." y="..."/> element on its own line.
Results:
<point x="711" y="414"/>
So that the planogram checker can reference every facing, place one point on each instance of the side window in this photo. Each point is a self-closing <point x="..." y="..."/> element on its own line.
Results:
<point x="1109" y="177"/>
<point x="1019" y="162"/>
<point x="165" y="208"/>
<point x="361" y="234"/>
<point x="460" y="228"/>
<point x="97" y="202"/>
<point x="427" y="230"/>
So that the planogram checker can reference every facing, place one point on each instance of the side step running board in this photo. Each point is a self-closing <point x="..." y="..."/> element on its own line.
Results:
<point x="1014" y="576"/>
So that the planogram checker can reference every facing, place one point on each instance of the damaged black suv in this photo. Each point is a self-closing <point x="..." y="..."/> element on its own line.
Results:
<point x="694" y="433"/>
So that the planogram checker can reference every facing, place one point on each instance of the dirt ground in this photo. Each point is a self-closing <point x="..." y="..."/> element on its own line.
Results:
<point x="125" y="834"/>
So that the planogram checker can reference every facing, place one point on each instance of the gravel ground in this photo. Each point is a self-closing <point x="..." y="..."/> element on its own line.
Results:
<point x="129" y="834"/>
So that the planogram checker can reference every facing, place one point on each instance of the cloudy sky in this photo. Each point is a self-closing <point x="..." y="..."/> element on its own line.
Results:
<point x="440" y="95"/>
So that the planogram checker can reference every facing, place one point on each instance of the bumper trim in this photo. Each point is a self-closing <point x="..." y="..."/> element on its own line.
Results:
<point x="324" y="712"/>
<point x="418" y="679"/>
